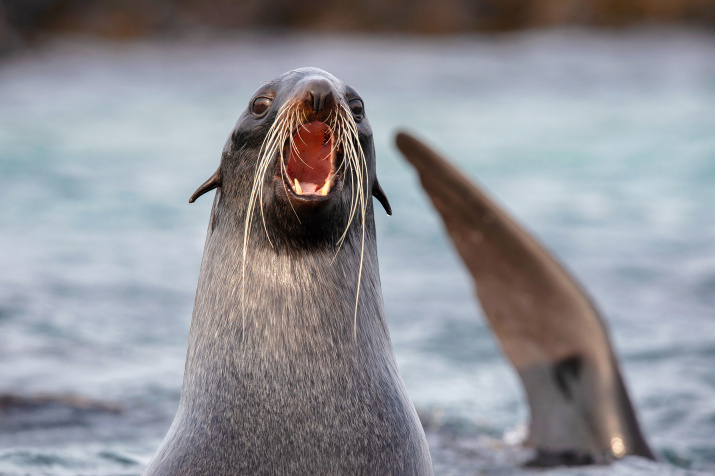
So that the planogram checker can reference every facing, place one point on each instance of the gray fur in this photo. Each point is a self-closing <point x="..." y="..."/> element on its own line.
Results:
<point x="286" y="388"/>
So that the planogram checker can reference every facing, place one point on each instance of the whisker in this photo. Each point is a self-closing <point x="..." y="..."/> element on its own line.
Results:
<point x="342" y="128"/>
<point x="265" y="154"/>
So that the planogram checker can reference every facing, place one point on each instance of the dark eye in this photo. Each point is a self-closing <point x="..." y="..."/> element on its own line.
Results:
<point x="260" y="106"/>
<point x="357" y="108"/>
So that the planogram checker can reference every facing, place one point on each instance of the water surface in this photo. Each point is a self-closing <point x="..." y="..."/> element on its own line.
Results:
<point x="601" y="144"/>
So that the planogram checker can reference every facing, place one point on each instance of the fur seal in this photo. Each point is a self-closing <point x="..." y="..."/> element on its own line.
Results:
<point x="290" y="368"/>
<point x="545" y="322"/>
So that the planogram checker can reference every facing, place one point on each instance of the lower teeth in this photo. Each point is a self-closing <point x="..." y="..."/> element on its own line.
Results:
<point x="299" y="190"/>
<point x="326" y="188"/>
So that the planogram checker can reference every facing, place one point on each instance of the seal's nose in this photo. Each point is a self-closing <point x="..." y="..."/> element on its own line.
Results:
<point x="319" y="93"/>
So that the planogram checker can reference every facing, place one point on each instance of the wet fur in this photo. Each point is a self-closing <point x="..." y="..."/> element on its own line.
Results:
<point x="547" y="325"/>
<point x="299" y="387"/>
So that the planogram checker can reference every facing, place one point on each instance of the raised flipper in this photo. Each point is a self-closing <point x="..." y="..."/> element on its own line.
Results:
<point x="547" y="326"/>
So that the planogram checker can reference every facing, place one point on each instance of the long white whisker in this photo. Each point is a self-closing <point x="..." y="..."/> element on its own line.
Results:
<point x="284" y="170"/>
<point x="265" y="155"/>
<point x="287" y="124"/>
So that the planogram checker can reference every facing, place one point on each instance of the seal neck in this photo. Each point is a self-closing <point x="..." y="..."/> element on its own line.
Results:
<point x="292" y="303"/>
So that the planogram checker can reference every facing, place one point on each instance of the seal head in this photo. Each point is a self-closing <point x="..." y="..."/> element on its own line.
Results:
<point x="311" y="130"/>
<point x="290" y="368"/>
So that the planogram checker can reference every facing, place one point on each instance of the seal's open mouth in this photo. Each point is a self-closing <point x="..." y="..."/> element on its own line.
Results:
<point x="310" y="167"/>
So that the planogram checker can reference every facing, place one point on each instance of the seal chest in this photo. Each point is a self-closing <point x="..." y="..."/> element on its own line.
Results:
<point x="289" y="368"/>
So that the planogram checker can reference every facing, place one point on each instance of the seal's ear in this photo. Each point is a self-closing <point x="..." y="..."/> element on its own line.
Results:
<point x="213" y="182"/>
<point x="378" y="193"/>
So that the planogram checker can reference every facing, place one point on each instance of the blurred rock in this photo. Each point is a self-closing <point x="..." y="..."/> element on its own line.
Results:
<point x="22" y="413"/>
<point x="23" y="21"/>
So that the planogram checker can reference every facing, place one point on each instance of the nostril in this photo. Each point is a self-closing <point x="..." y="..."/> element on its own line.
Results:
<point x="318" y="100"/>
<point x="319" y="94"/>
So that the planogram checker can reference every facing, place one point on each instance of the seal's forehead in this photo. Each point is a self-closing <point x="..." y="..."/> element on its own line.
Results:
<point x="287" y="81"/>
<point x="296" y="75"/>
<point x="288" y="84"/>
<point x="303" y="72"/>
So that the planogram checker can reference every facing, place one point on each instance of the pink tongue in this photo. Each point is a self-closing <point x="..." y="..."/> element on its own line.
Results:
<point x="309" y="159"/>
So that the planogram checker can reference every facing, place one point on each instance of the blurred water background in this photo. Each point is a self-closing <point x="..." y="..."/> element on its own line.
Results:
<point x="601" y="143"/>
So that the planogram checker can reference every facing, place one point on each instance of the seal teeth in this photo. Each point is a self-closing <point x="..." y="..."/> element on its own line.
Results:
<point x="326" y="188"/>
<point x="298" y="188"/>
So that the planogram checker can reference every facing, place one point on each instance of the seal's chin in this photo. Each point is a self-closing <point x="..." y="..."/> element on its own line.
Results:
<point x="310" y="171"/>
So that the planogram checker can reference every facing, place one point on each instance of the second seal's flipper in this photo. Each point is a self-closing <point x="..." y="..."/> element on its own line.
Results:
<point x="547" y="326"/>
